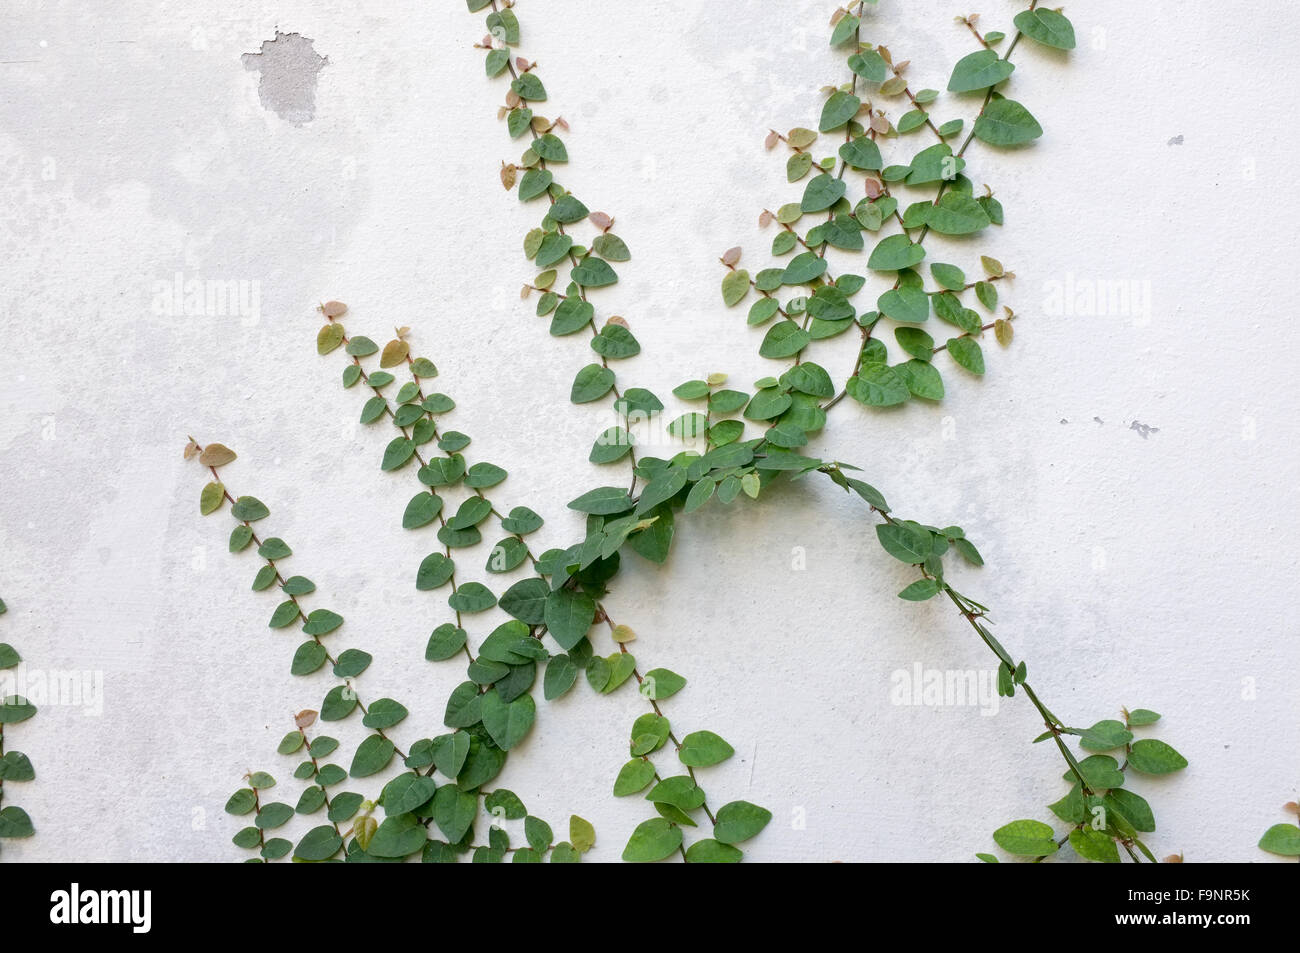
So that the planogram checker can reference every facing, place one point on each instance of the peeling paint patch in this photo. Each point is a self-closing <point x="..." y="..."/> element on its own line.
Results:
<point x="1143" y="429"/>
<point x="288" y="65"/>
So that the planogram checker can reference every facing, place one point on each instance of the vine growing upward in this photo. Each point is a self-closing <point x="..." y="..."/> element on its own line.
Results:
<point x="728" y="444"/>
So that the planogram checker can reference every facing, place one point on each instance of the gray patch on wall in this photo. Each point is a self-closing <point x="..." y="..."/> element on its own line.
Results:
<point x="288" y="65"/>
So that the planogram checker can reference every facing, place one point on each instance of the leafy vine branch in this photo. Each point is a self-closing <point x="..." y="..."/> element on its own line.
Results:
<point x="14" y="765"/>
<point x="412" y="800"/>
<point x="952" y="211"/>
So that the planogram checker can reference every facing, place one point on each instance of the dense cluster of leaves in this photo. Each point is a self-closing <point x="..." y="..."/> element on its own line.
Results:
<point x="464" y="759"/>
<point x="855" y="200"/>
<point x="1104" y="815"/>
<point x="554" y="607"/>
<point x="14" y="765"/>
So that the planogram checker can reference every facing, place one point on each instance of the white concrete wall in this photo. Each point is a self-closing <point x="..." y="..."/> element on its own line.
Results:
<point x="1130" y="566"/>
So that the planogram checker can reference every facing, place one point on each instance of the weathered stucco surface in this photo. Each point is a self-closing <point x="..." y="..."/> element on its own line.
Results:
<point x="1129" y="476"/>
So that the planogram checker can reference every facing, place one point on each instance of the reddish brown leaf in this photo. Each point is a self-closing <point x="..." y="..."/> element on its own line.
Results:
<point x="216" y="455"/>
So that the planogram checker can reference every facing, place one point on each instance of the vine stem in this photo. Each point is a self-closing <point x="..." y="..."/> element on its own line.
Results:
<point x="257" y="812"/>
<point x="848" y="127"/>
<point x="972" y="612"/>
<point x="654" y="704"/>
<point x="329" y="803"/>
<point x="573" y="260"/>
<point x="1050" y="721"/>
<point x="346" y="683"/>
<point x="388" y="412"/>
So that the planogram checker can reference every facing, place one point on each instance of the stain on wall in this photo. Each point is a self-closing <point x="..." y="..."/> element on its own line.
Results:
<point x="288" y="64"/>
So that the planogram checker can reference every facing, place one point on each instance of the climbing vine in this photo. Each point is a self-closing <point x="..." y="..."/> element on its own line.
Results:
<point x="796" y="404"/>
<point x="822" y="307"/>
<point x="554" y="599"/>
<point x="557" y="598"/>
<point x="14" y="765"/>
<point x="410" y="801"/>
